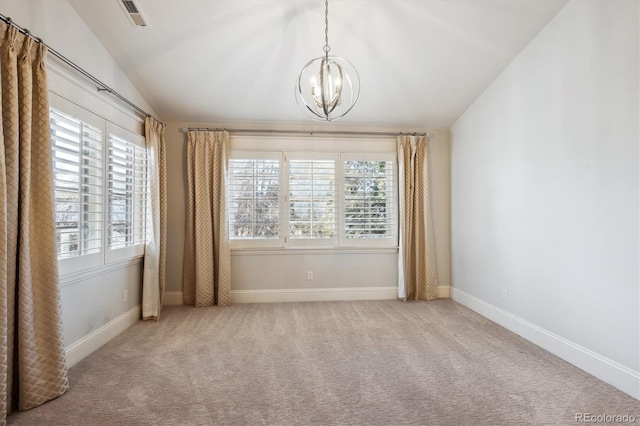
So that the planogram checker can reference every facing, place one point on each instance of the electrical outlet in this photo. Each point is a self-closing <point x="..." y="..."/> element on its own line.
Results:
<point x="505" y="294"/>
<point x="125" y="296"/>
<point x="310" y="276"/>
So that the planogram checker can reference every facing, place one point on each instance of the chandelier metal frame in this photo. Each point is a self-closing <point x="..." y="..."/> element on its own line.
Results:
<point x="332" y="91"/>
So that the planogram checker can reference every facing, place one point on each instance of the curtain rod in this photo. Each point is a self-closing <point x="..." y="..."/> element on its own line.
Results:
<point x="304" y="132"/>
<point x="103" y="87"/>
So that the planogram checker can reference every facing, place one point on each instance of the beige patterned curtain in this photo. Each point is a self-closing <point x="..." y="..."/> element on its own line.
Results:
<point x="155" y="247"/>
<point x="418" y="278"/>
<point x="207" y="262"/>
<point x="32" y="367"/>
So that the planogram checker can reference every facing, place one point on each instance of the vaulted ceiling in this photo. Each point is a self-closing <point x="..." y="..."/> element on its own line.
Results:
<point x="421" y="63"/>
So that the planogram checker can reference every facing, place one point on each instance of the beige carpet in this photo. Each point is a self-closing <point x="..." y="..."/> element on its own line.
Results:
<point x="326" y="363"/>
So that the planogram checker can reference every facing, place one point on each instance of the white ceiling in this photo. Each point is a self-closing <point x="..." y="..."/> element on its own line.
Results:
<point x="421" y="63"/>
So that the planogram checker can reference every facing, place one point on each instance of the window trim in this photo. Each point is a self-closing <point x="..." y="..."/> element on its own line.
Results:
<point x="76" y="263"/>
<point x="81" y="264"/>
<point x="372" y="242"/>
<point x="121" y="253"/>
<point x="258" y="242"/>
<point x="289" y="146"/>
<point x="310" y="242"/>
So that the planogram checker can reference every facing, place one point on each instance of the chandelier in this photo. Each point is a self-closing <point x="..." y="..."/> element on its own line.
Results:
<point x="328" y="86"/>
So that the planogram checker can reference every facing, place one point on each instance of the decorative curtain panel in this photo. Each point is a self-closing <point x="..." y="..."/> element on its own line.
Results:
<point x="155" y="249"/>
<point x="207" y="261"/>
<point x="418" y="278"/>
<point x="32" y="367"/>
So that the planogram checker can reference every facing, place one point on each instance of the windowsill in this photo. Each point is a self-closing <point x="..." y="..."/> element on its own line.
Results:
<point x="311" y="251"/>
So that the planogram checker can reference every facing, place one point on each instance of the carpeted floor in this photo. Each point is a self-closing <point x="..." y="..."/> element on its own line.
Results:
<point x="326" y="363"/>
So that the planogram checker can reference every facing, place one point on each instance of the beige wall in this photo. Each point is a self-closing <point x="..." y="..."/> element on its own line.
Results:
<point x="280" y="271"/>
<point x="92" y="301"/>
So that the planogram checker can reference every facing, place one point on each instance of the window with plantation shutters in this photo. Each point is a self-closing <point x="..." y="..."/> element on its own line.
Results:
<point x="312" y="197"/>
<point x="254" y="194"/>
<point x="127" y="193"/>
<point x="100" y="176"/>
<point x="369" y="210"/>
<point x="316" y="193"/>
<point x="78" y="177"/>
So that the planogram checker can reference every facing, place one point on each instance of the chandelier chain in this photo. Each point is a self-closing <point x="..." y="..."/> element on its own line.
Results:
<point x="326" y="48"/>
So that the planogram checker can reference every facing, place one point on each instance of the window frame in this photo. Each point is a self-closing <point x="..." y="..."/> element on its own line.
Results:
<point x="260" y="242"/>
<point x="291" y="242"/>
<point x="105" y="257"/>
<point x="83" y="261"/>
<point x="294" y="147"/>
<point x="122" y="253"/>
<point x="394" y="225"/>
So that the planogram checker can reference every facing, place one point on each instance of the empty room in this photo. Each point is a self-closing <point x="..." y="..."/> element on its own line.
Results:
<point x="320" y="212"/>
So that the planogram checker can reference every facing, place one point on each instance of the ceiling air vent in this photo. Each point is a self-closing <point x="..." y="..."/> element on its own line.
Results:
<point x="134" y="13"/>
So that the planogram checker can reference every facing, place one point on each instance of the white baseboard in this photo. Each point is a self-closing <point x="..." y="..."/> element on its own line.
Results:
<point x="313" y="294"/>
<point x="607" y="370"/>
<point x="307" y="295"/>
<point x="298" y="295"/>
<point x="80" y="349"/>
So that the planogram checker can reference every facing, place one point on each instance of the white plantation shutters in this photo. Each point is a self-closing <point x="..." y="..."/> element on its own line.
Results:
<point x="324" y="193"/>
<point x="312" y="197"/>
<point x="100" y="177"/>
<point x="369" y="199"/>
<point x="78" y="171"/>
<point x="254" y="197"/>
<point x="127" y="191"/>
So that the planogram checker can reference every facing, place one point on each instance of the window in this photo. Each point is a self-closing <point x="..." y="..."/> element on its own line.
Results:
<point x="127" y="193"/>
<point x="312" y="198"/>
<point x="77" y="163"/>
<point x="254" y="198"/>
<point x="305" y="198"/>
<point x="100" y="178"/>
<point x="369" y="198"/>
